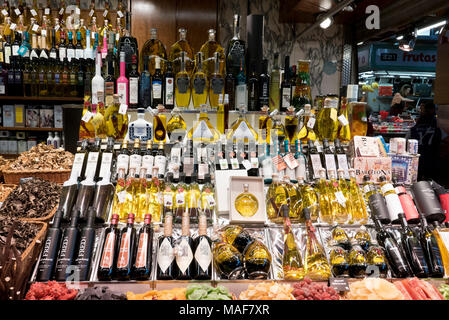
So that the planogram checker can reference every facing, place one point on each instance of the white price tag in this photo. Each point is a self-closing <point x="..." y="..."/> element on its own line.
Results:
<point x="246" y="164"/>
<point x="364" y="119"/>
<point x="4" y="12"/>
<point x="47" y="11"/>
<point x="290" y="161"/>
<point x="12" y="26"/>
<point x="255" y="163"/>
<point x="91" y="13"/>
<point x="105" y="13"/>
<point x="120" y="14"/>
<point x="100" y="96"/>
<point x="33" y="12"/>
<point x="121" y="196"/>
<point x="223" y="164"/>
<point x="77" y="11"/>
<point x="168" y="200"/>
<point x="17" y="11"/>
<point x="211" y="200"/>
<point x="61" y="11"/>
<point x="340" y="198"/>
<point x="87" y="116"/>
<point x="122" y="109"/>
<point x="57" y="27"/>
<point x="180" y="199"/>
<point x="44" y="33"/>
<point x="343" y="120"/>
<point x="35" y="28"/>
<point x="234" y="163"/>
<point x="311" y="123"/>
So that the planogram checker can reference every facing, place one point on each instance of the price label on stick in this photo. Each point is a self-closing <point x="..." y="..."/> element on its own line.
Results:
<point x="343" y="120"/>
<point x="223" y="164"/>
<point x="87" y="116"/>
<point x="122" y="109"/>
<point x="47" y="11"/>
<point x="120" y="14"/>
<point x="279" y="163"/>
<point x="311" y="123"/>
<point x="339" y="284"/>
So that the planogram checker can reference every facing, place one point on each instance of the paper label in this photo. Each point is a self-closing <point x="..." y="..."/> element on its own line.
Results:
<point x="92" y="35"/>
<point x="203" y="254"/>
<point x="387" y="187"/>
<point x="223" y="164"/>
<point x="122" y="109"/>
<point x="168" y="200"/>
<point x="4" y="12"/>
<point x="87" y="116"/>
<point x="339" y="284"/>
<point x="43" y="32"/>
<point x="123" y="162"/>
<point x="211" y="200"/>
<point x="234" y="163"/>
<point x="47" y="11"/>
<point x="123" y="256"/>
<point x="184" y="255"/>
<point x="343" y="120"/>
<point x="340" y="198"/>
<point x="243" y="131"/>
<point x="12" y="26"/>
<point x="91" y="166"/>
<point x="311" y="123"/>
<point x="121" y="196"/>
<point x="135" y="161"/>
<point x="254" y="163"/>
<point x="106" y="162"/>
<point x="343" y="164"/>
<point x="147" y="162"/>
<point x="180" y="199"/>
<point x="120" y="14"/>
<point x="246" y="164"/>
<point x="316" y="165"/>
<point x="33" y="12"/>
<point x="165" y="255"/>
<point x="17" y="11"/>
<point x="91" y="13"/>
<point x="57" y="27"/>
<point x="203" y="169"/>
<point x="290" y="160"/>
<point x="279" y="163"/>
<point x="105" y="13"/>
<point x="160" y="162"/>
<point x="108" y="251"/>
<point x="330" y="162"/>
<point x="61" y="11"/>
<point x="77" y="164"/>
<point x="202" y="131"/>
<point x="142" y="250"/>
<point x="156" y="87"/>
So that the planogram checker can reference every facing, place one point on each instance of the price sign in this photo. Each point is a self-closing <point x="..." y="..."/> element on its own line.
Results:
<point x="87" y="116"/>
<point x="339" y="284"/>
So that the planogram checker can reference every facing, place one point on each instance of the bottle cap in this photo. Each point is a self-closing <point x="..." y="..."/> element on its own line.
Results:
<point x="147" y="219"/>
<point x="131" y="218"/>
<point x="114" y="219"/>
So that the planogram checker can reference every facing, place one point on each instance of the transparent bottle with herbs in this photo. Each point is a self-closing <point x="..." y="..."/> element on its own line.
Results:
<point x="327" y="121"/>
<point x="182" y="45"/>
<point x="182" y="84"/>
<point x="176" y="124"/>
<point x="359" y="213"/>
<point x="326" y="215"/>
<point x="208" y="203"/>
<point x="154" y="194"/>
<point x="309" y="199"/>
<point x="292" y="264"/>
<point x="302" y="94"/>
<point x="291" y="124"/>
<point x="277" y="196"/>
<point x="209" y="49"/>
<point x="116" y="123"/>
<point x="344" y="133"/>
<point x="151" y="49"/>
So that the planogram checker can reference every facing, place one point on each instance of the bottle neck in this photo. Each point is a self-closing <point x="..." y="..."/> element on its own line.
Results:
<point x="202" y="225"/>
<point x="98" y="66"/>
<point x="122" y="67"/>
<point x="168" y="226"/>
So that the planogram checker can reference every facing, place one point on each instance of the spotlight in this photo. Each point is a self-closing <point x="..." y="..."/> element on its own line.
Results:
<point x="326" y="23"/>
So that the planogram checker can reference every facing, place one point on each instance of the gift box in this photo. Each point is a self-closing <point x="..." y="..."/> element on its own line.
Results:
<point x="404" y="168"/>
<point x="375" y="167"/>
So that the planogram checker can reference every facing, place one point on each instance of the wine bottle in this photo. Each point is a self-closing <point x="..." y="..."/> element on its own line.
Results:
<point x="286" y="87"/>
<point x="413" y="250"/>
<point x="134" y="84"/>
<point x="264" y="85"/>
<point x="292" y="265"/>
<point x="126" y="250"/>
<point x="50" y="251"/>
<point x="328" y="157"/>
<point x="253" y="89"/>
<point x="203" y="253"/>
<point x="145" y="86"/>
<point x="431" y="250"/>
<point x="109" y="252"/>
<point x="68" y="247"/>
<point x="122" y="81"/>
<point x="166" y="264"/>
<point x="391" y="198"/>
<point x="169" y="87"/>
<point x="341" y="157"/>
<point x="314" y="160"/>
<point x="135" y="159"/>
<point x="393" y="251"/>
<point x="160" y="160"/>
<point x="86" y="246"/>
<point x="142" y="263"/>
<point x="156" y="84"/>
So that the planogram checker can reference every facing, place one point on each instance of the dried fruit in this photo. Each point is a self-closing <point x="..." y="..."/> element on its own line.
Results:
<point x="373" y="289"/>
<point x="308" y="290"/>
<point x="268" y="291"/>
<point x="51" y="290"/>
<point x="43" y="157"/>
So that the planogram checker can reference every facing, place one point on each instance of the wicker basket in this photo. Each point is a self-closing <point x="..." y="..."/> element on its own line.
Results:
<point x="14" y="176"/>
<point x="40" y="236"/>
<point x="46" y="218"/>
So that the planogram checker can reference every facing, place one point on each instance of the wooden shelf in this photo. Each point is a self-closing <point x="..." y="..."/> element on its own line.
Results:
<point x="30" y="129"/>
<point x="47" y="99"/>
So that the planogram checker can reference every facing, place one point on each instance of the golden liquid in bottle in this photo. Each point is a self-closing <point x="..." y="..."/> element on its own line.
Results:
<point x="182" y="90"/>
<point x="277" y="196"/>
<point x="358" y="120"/>
<point x="154" y="205"/>
<point x="439" y="233"/>
<point x="152" y="48"/>
<point x="116" y="123"/>
<point x="326" y="215"/>
<point x="292" y="265"/>
<point x="327" y="121"/>
<point x="203" y="130"/>
<point x="208" y="49"/>
<point x="316" y="265"/>
<point x="160" y="128"/>
<point x="344" y="134"/>
<point x="264" y="129"/>
<point x="309" y="200"/>
<point x="182" y="45"/>
<point x="246" y="203"/>
<point x="339" y="209"/>
<point x="199" y="89"/>
<point x="359" y="213"/>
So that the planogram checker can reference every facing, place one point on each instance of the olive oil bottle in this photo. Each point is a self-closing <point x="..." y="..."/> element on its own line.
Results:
<point x="216" y="83"/>
<point x="199" y="83"/>
<point x="182" y="89"/>
<point x="292" y="265"/>
<point x="160" y="125"/>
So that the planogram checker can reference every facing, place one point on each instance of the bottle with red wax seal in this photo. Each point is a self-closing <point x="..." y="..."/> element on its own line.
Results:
<point x="109" y="253"/>
<point x="126" y="250"/>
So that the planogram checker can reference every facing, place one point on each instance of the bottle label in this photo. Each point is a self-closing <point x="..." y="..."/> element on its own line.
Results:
<point x="199" y="84"/>
<point x="53" y="54"/>
<point x="70" y="54"/>
<point x="77" y="164"/>
<point x="157" y="89"/>
<point x="343" y="164"/>
<point x="188" y="166"/>
<point x="108" y="252"/>
<point x="169" y="95"/>
<point x="184" y="255"/>
<point x="123" y="162"/>
<point x="340" y="198"/>
<point x="311" y="123"/>
<point x="300" y="170"/>
<point x="180" y="199"/>
<point x="135" y="161"/>
<point x="387" y="187"/>
<point x="79" y="53"/>
<point x="286" y="97"/>
<point x="175" y="154"/>
<point x="91" y="166"/>
<point x="246" y="164"/>
<point x="109" y="89"/>
<point x="182" y="84"/>
<point x="267" y="168"/>
<point x="343" y="121"/>
<point x="106" y="162"/>
<point x="330" y="162"/>
<point x="147" y="162"/>
<point x="290" y="161"/>
<point x="279" y="163"/>
<point x="142" y="251"/>
<point x="217" y="85"/>
<point x="243" y="132"/>
<point x="203" y="254"/>
<point x="168" y="200"/>
<point x="254" y="162"/>
<point x="235" y="164"/>
<point x="121" y="91"/>
<point x="7" y="54"/>
<point x="223" y="164"/>
<point x="62" y="54"/>
<point x="202" y="131"/>
<point x="203" y="169"/>
<point x="160" y="162"/>
<point x="394" y="206"/>
<point x="316" y="165"/>
<point x="165" y="255"/>
<point x="133" y="90"/>
<point x="240" y="95"/>
<point x="123" y="256"/>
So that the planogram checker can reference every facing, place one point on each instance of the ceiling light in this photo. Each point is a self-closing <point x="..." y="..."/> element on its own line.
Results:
<point x="326" y="23"/>
<point x="400" y="38"/>
<point x="424" y="31"/>
<point x="360" y="43"/>
<point x="348" y="8"/>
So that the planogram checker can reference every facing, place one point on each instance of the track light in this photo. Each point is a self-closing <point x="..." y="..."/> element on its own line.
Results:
<point x="326" y="23"/>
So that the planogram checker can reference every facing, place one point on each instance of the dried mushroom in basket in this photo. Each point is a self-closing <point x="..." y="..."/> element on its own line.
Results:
<point x="24" y="232"/>
<point x="43" y="157"/>
<point x="34" y="198"/>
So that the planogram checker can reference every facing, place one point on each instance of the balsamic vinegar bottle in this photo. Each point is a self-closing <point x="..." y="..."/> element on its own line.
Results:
<point x="166" y="265"/>
<point x="413" y="249"/>
<point x="51" y="245"/>
<point x="109" y="253"/>
<point x="68" y="248"/>
<point x="393" y="252"/>
<point x="126" y="250"/>
<point x="431" y="250"/>
<point x="86" y="246"/>
<point x="203" y="251"/>
<point x="184" y="252"/>
<point x="142" y="263"/>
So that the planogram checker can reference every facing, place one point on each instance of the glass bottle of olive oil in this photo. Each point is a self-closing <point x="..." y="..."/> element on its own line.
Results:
<point x="160" y="125"/>
<point x="216" y="83"/>
<point x="199" y="83"/>
<point x="182" y="90"/>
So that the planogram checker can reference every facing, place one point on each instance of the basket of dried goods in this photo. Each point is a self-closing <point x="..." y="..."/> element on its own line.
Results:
<point x="4" y="164"/>
<point x="5" y="190"/>
<point x="41" y="161"/>
<point x="32" y="200"/>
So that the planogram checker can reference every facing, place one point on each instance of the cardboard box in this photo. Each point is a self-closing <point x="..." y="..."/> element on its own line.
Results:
<point x="222" y="180"/>
<point x="256" y="188"/>
<point x="32" y="118"/>
<point x="8" y="116"/>
<point x="361" y="146"/>
<point x="374" y="167"/>
<point x="404" y="168"/>
<point x="46" y="118"/>
<point x="19" y="115"/>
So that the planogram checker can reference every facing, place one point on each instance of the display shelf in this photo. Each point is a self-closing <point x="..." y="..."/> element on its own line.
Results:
<point x="46" y="99"/>
<point x="209" y="111"/>
<point x="30" y="129"/>
<point x="9" y="155"/>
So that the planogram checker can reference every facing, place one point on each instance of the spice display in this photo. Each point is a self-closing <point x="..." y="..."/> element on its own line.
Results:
<point x="309" y="290"/>
<point x="34" y="198"/>
<point x="268" y="291"/>
<point x="43" y="157"/>
<point x="99" y="293"/>
<point x="4" y="191"/>
<point x="374" y="289"/>
<point x="24" y="232"/>
<point x="172" y="294"/>
<point x="206" y="292"/>
<point x="50" y="290"/>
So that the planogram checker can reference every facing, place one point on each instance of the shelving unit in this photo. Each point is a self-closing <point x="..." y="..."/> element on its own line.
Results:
<point x="30" y="129"/>
<point x="44" y="99"/>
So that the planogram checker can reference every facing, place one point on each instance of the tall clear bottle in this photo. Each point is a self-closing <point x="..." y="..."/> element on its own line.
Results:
<point x="182" y="89"/>
<point x="153" y="48"/>
<point x="216" y="82"/>
<point x="275" y="84"/>
<point x="182" y="45"/>
<point x="235" y="51"/>
<point x="199" y="83"/>
<point x="292" y="264"/>
<point x="209" y="49"/>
